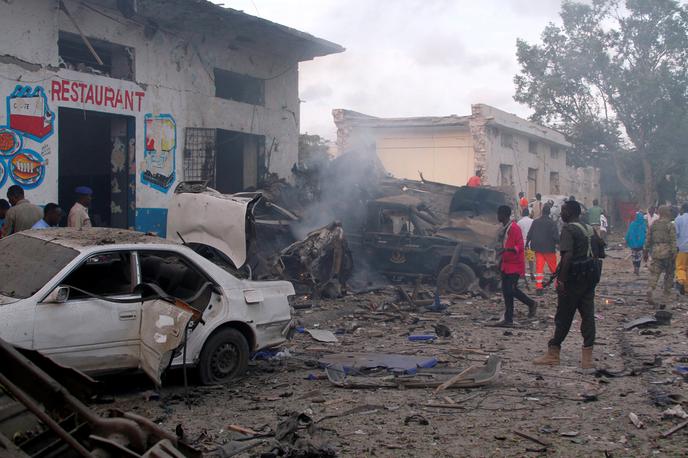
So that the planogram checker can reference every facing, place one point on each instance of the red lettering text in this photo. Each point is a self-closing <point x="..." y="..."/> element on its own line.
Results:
<point x="65" y="90"/>
<point x="55" y="90"/>
<point x="109" y="96"/>
<point x="139" y="96"/>
<point x="75" y="91"/>
<point x="118" y="98"/>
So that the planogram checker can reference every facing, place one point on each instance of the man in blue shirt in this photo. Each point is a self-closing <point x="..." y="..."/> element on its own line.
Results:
<point x="681" y="224"/>
<point x="52" y="214"/>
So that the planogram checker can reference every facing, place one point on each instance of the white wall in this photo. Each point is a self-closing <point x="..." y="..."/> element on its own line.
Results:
<point x="173" y="71"/>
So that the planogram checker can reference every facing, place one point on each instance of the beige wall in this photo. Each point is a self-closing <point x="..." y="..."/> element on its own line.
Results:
<point x="443" y="155"/>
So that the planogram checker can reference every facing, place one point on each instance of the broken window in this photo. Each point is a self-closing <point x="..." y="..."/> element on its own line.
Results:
<point x="506" y="173"/>
<point x="104" y="274"/>
<point x="554" y="152"/>
<point x="199" y="155"/>
<point x="532" y="146"/>
<point x="554" y="183"/>
<point x="117" y="60"/>
<point x="240" y="88"/>
<point x="177" y="276"/>
<point x="507" y="140"/>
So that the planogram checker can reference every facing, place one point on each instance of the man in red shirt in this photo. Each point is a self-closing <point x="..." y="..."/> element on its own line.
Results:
<point x="513" y="267"/>
<point x="522" y="201"/>
<point x="476" y="180"/>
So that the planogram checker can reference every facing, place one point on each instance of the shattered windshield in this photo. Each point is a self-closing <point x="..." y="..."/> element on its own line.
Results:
<point x="27" y="264"/>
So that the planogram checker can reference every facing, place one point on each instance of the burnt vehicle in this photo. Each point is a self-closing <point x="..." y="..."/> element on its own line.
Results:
<point x="402" y="238"/>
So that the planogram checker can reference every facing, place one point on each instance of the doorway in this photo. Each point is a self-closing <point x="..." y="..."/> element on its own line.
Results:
<point x="238" y="161"/>
<point x="98" y="150"/>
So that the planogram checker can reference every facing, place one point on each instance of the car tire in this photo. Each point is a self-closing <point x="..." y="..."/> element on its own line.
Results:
<point x="224" y="357"/>
<point x="455" y="279"/>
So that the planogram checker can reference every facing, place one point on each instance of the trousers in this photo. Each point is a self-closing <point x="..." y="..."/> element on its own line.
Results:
<point x="682" y="269"/>
<point x="664" y="266"/>
<point x="510" y="291"/>
<point x="540" y="260"/>
<point x="576" y="297"/>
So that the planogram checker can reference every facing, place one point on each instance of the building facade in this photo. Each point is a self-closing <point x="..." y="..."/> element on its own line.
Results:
<point x="511" y="152"/>
<point x="131" y="97"/>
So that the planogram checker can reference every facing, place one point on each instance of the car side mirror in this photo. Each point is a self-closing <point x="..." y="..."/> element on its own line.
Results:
<point x="59" y="295"/>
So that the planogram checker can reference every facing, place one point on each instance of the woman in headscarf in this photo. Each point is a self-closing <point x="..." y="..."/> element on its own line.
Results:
<point x="635" y="240"/>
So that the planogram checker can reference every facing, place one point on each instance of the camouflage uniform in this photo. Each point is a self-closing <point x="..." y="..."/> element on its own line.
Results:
<point x="661" y="245"/>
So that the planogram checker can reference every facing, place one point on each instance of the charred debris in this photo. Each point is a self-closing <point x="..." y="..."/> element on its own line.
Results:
<point x="346" y="226"/>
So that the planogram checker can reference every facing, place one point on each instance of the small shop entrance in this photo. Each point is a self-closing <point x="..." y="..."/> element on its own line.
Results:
<point x="98" y="150"/>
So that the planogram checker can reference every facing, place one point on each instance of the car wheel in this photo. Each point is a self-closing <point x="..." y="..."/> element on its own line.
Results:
<point x="455" y="279"/>
<point x="224" y="357"/>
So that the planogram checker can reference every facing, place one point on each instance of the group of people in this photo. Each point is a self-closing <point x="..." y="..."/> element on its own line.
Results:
<point x="660" y="236"/>
<point x="577" y="273"/>
<point x="18" y="214"/>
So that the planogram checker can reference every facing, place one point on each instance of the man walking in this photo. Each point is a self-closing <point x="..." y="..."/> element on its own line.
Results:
<point x="661" y="245"/>
<point x="543" y="238"/>
<point x="513" y="266"/>
<point x="537" y="207"/>
<point x="78" y="215"/>
<point x="681" y="224"/>
<point x="522" y="201"/>
<point x="576" y="281"/>
<point x="524" y="224"/>
<point x="52" y="214"/>
<point x="22" y="215"/>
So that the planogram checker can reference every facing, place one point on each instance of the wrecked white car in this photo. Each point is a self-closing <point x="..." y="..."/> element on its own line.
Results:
<point x="77" y="296"/>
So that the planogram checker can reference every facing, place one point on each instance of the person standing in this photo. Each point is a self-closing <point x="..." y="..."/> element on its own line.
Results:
<point x="522" y="201"/>
<point x="661" y="245"/>
<point x="543" y="238"/>
<point x="681" y="224"/>
<point x="604" y="226"/>
<point x="22" y="215"/>
<point x="536" y="211"/>
<point x="577" y="278"/>
<point x="476" y="180"/>
<point x="78" y="215"/>
<point x="4" y="206"/>
<point x="52" y="214"/>
<point x="635" y="240"/>
<point x="513" y="266"/>
<point x="594" y="216"/>
<point x="524" y="224"/>
<point x="651" y="217"/>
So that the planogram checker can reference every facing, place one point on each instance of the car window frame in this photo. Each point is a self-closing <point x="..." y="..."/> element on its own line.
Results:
<point x="188" y="259"/>
<point x="80" y="261"/>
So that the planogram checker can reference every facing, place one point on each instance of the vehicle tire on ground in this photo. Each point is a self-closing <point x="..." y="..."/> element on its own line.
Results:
<point x="455" y="279"/>
<point x="224" y="357"/>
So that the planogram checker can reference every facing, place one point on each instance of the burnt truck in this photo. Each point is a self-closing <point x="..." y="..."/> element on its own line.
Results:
<point x="404" y="239"/>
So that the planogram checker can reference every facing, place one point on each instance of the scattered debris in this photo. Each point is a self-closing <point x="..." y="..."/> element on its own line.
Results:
<point x="322" y="335"/>
<point x="676" y="428"/>
<point x="635" y="420"/>
<point x="531" y="438"/>
<point x="418" y="419"/>
<point x="642" y="321"/>
<point x="354" y="362"/>
<point x="676" y="411"/>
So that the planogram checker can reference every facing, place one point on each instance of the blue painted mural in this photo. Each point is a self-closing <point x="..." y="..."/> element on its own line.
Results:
<point x="158" y="168"/>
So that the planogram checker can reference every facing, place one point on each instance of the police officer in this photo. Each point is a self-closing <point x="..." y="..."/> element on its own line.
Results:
<point x="577" y="277"/>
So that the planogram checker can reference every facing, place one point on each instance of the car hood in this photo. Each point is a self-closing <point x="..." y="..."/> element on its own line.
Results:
<point x="213" y="219"/>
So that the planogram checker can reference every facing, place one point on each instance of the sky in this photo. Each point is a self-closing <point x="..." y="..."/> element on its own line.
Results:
<point x="408" y="57"/>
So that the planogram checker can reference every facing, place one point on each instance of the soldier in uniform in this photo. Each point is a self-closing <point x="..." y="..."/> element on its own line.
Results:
<point x="577" y="277"/>
<point x="661" y="245"/>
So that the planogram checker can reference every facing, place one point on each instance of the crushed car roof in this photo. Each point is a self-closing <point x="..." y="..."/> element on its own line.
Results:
<point x="96" y="236"/>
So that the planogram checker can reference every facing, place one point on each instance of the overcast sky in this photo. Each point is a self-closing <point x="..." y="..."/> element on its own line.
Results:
<point x="408" y="57"/>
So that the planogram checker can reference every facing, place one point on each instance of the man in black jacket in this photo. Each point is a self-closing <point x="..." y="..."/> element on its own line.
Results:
<point x="543" y="238"/>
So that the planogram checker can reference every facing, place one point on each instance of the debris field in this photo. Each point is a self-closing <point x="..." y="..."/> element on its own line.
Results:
<point x="289" y="404"/>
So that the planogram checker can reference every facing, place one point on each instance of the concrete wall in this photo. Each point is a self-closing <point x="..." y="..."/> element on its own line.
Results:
<point x="173" y="88"/>
<point x="442" y="154"/>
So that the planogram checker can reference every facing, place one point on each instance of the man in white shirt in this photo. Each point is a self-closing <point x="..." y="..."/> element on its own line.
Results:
<point x="78" y="215"/>
<point x="651" y="216"/>
<point x="524" y="223"/>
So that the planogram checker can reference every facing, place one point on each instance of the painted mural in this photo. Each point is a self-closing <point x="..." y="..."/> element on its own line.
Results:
<point x="158" y="167"/>
<point x="28" y="117"/>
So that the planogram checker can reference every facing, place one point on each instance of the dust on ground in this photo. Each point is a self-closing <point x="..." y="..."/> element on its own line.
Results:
<point x="572" y="413"/>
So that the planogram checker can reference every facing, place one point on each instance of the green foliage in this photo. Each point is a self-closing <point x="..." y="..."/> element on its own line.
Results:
<point x="613" y="77"/>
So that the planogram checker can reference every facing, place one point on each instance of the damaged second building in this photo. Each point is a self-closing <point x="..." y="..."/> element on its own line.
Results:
<point x="130" y="98"/>
<point x="513" y="153"/>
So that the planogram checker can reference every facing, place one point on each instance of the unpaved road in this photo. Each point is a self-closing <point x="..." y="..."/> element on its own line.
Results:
<point x="575" y="414"/>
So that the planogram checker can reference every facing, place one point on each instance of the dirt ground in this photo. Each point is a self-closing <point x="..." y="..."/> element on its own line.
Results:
<point x="573" y="414"/>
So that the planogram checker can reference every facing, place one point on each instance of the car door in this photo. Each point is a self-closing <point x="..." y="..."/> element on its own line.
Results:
<point x="92" y="334"/>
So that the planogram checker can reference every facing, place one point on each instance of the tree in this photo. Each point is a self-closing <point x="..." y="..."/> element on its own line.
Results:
<point x="614" y="79"/>
<point x="313" y="150"/>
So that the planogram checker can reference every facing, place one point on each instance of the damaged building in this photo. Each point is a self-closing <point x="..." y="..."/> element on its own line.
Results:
<point x="130" y="98"/>
<point x="512" y="152"/>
